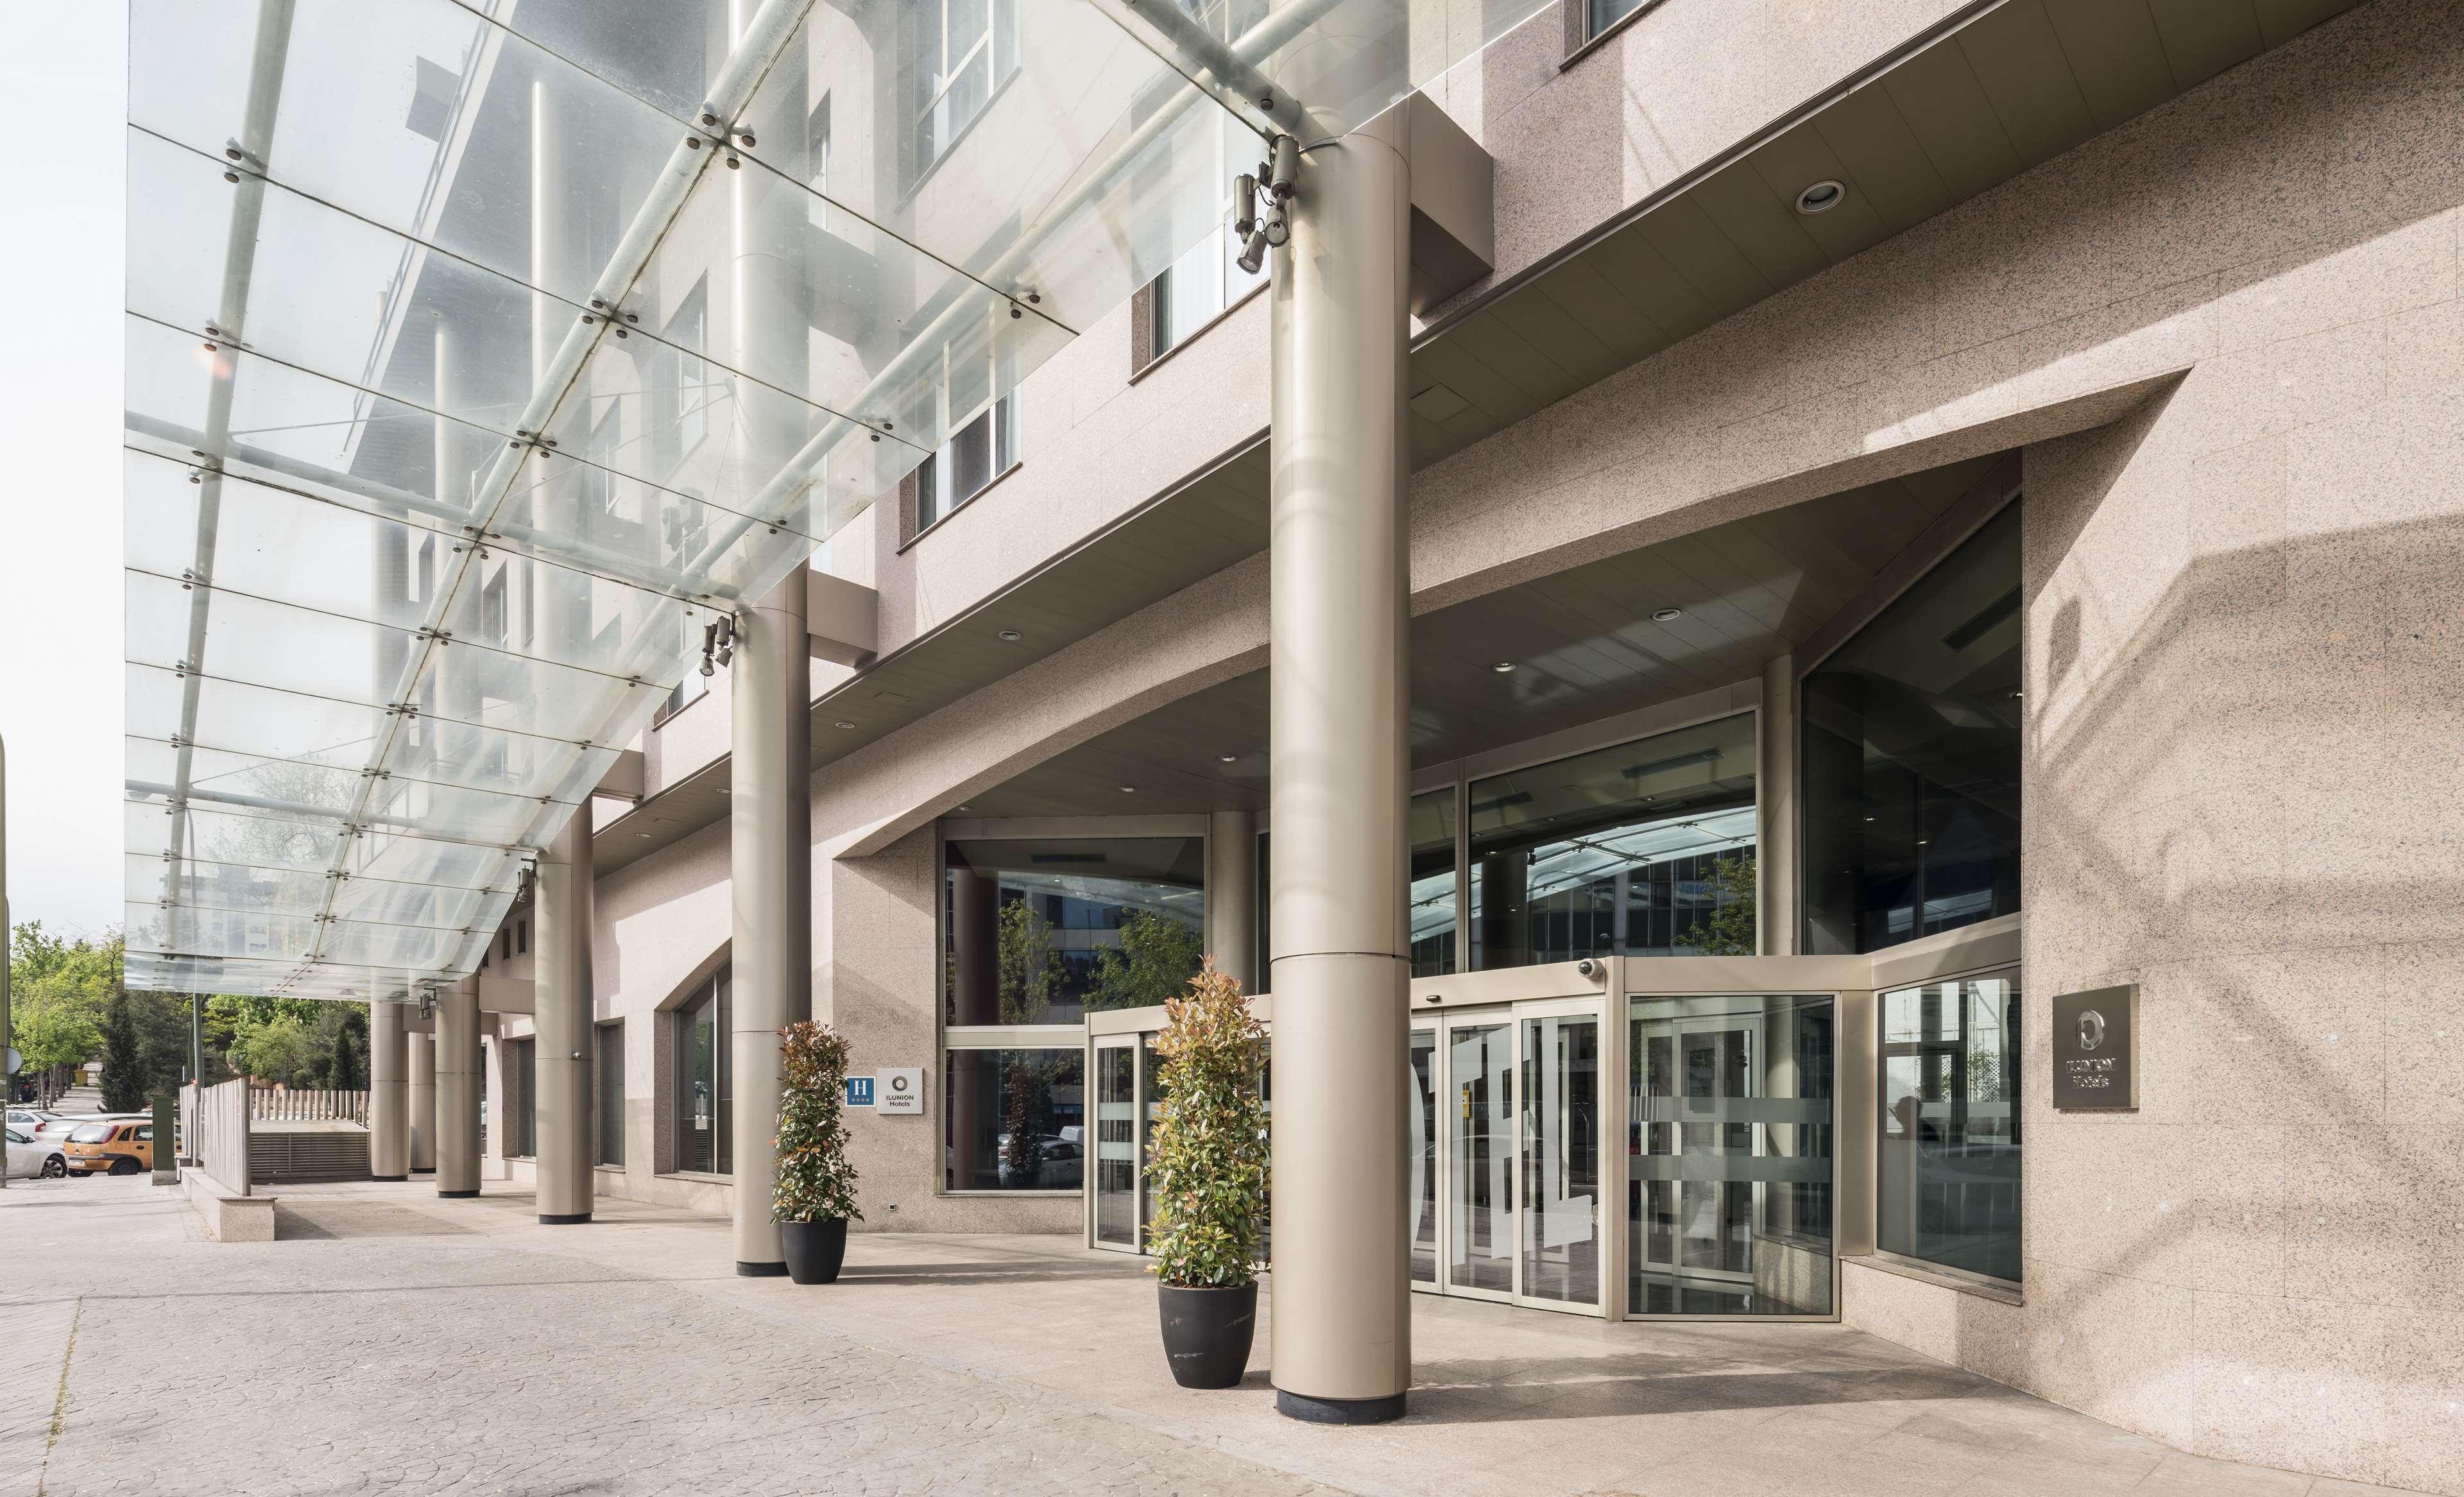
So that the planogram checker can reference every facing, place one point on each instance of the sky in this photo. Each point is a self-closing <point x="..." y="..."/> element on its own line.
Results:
<point x="61" y="84"/>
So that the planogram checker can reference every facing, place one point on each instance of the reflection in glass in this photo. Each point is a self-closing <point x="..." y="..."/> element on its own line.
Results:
<point x="1911" y="757"/>
<point x="1433" y="882"/>
<point x="1561" y="1159"/>
<point x="1645" y="848"/>
<point x="1042" y="932"/>
<point x="1423" y="1145"/>
<point x="1479" y="1177"/>
<point x="1150" y="1071"/>
<point x="1947" y="1171"/>
<point x="521" y="1086"/>
<point x="1015" y="1120"/>
<point x="1116" y="1145"/>
<point x="1729" y="1199"/>
<point x="704" y="1090"/>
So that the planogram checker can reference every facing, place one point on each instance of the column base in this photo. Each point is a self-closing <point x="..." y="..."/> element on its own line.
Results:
<point x="389" y="1178"/>
<point x="565" y="1219"/>
<point x="455" y="1195"/>
<point x="761" y="1270"/>
<point x="1338" y="1411"/>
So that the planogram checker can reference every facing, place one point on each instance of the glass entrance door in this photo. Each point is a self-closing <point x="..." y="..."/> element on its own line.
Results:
<point x="1729" y="1153"/>
<point x="1508" y="1154"/>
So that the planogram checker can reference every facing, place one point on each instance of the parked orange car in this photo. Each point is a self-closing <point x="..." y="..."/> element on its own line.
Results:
<point x="111" y="1147"/>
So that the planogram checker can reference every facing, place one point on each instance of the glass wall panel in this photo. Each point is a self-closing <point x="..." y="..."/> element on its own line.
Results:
<point x="1150" y="1072"/>
<point x="1729" y="1196"/>
<point x="1424" y="1157"/>
<point x="1911" y="758"/>
<point x="1015" y="1119"/>
<point x="1947" y="1173"/>
<point x="703" y="1087"/>
<point x="608" y="1074"/>
<point x="1042" y="932"/>
<point x="1116" y="1145"/>
<point x="1480" y="1178"/>
<point x="1561" y="1159"/>
<point x="1643" y="850"/>
<point x="522" y="1084"/>
<point x="1433" y="882"/>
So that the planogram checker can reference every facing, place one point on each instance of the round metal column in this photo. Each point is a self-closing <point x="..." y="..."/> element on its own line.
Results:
<point x="1232" y="895"/>
<point x="457" y="1089"/>
<point x="562" y="1008"/>
<point x="421" y="1048"/>
<point x="1339" y="969"/>
<point x="389" y="1094"/>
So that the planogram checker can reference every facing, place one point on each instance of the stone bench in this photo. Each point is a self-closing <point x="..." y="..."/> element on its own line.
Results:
<point x="228" y="1218"/>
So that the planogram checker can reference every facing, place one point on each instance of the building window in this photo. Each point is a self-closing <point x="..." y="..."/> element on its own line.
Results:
<point x="1946" y="1176"/>
<point x="521" y="1098"/>
<point x="1643" y="850"/>
<point x="689" y="691"/>
<point x="609" y="1073"/>
<point x="1042" y="932"/>
<point x="817" y="163"/>
<point x="681" y="387"/>
<point x="1433" y="884"/>
<point x="978" y="451"/>
<point x="600" y="492"/>
<point x="1598" y="15"/>
<point x="1911" y="758"/>
<point x="957" y="52"/>
<point x="704" y="1090"/>
<point x="523" y="938"/>
<point x="1015" y="1119"/>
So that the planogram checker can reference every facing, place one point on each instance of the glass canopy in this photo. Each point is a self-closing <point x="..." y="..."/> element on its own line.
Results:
<point x="482" y="351"/>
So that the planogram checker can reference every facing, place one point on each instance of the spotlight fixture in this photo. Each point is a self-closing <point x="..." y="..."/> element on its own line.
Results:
<point x="1011" y="636"/>
<point x="644" y="836"/>
<point x="843" y="723"/>
<point x="1821" y="197"/>
<point x="1227" y="759"/>
<point x="966" y="807"/>
<point x="1253" y="252"/>
<point x="1663" y="615"/>
<point x="1129" y="789"/>
<point x="1503" y="667"/>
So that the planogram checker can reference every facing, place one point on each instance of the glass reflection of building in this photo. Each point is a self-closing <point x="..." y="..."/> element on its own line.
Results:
<point x="1616" y="852"/>
<point x="1946" y="1171"/>
<point x="1040" y="931"/>
<point x="702" y="1093"/>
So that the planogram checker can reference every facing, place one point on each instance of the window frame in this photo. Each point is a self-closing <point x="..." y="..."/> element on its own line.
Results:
<point x="601" y="1035"/>
<point x="1582" y="38"/>
<point x="1909" y="1265"/>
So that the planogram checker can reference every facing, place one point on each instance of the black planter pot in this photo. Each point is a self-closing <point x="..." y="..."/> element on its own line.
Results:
<point x="813" y="1250"/>
<point x="1206" y="1333"/>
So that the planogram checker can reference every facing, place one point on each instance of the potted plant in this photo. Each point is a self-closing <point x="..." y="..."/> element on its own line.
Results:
<point x="1208" y="1162"/>
<point x="815" y="1196"/>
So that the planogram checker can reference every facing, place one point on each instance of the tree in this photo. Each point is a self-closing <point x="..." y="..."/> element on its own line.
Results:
<point x="1028" y="971"/>
<point x="278" y="1049"/>
<point x="339" y="1039"/>
<point x="124" y="1071"/>
<point x="1154" y="962"/>
<point x="1729" y="931"/>
<point x="59" y="988"/>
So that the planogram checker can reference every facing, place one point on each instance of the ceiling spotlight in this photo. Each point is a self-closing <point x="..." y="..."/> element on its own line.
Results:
<point x="1503" y="667"/>
<point x="644" y="836"/>
<point x="1227" y="759"/>
<point x="1663" y="615"/>
<point x="1129" y="789"/>
<point x="1011" y="636"/>
<point x="966" y="807"/>
<point x="843" y="723"/>
<point x="1821" y="197"/>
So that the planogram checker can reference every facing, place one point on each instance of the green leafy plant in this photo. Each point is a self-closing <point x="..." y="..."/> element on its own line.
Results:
<point x="1154" y="961"/>
<point x="1028" y="971"/>
<point x="1209" y="1155"/>
<point x="1730" y="931"/>
<point x="816" y="1183"/>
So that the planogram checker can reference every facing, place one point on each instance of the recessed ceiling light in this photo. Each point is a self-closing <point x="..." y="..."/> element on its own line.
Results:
<point x="644" y="836"/>
<point x="966" y="807"/>
<point x="1228" y="758"/>
<point x="1663" y="615"/>
<point x="1821" y="197"/>
<point x="843" y="723"/>
<point x="1503" y="667"/>
<point x="1013" y="636"/>
<point x="723" y="790"/>
<point x="1129" y="789"/>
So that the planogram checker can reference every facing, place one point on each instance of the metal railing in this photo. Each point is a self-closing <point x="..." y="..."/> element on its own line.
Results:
<point x="310" y="1106"/>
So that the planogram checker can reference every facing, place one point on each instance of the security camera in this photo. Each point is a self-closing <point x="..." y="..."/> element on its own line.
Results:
<point x="1587" y="967"/>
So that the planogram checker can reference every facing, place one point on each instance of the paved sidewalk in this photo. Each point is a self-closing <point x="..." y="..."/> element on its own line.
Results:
<point x="390" y="1342"/>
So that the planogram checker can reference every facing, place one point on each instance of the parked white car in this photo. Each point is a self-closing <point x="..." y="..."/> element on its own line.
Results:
<point x="43" y="1125"/>
<point x="27" y="1158"/>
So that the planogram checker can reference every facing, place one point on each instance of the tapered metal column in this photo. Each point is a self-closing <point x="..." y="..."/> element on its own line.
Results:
<point x="1340" y="870"/>
<point x="770" y="825"/>
<point x="560" y="1054"/>
<point x="389" y="1094"/>
<point x="457" y="1089"/>
<point x="421" y="1088"/>
<point x="1232" y="895"/>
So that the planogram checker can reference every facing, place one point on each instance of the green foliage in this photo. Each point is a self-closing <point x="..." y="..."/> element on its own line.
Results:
<point x="1209" y="1156"/>
<point x="123" y="1073"/>
<point x="1730" y="931"/>
<point x="59" y="990"/>
<point x="1028" y="971"/>
<point x="1156" y="959"/>
<point x="816" y="1183"/>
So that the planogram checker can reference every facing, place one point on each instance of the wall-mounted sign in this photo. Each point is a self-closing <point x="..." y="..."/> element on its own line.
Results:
<point x="902" y="1090"/>
<point x="2096" y="1044"/>
<point x="859" y="1091"/>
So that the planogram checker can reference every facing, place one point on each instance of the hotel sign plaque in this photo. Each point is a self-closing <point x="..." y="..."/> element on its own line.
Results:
<point x="2096" y="1044"/>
